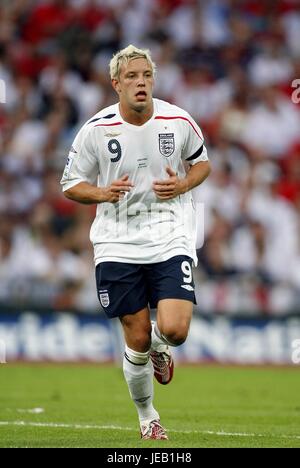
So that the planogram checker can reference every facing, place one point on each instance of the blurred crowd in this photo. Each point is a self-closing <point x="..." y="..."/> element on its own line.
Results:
<point x="230" y="64"/>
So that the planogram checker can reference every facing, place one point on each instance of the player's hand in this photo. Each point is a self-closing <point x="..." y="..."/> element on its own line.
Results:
<point x="171" y="187"/>
<point x="117" y="189"/>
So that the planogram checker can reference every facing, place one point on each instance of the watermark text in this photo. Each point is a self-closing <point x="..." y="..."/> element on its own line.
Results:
<point x="2" y="92"/>
<point x="296" y="93"/>
<point x="2" y="352"/>
<point x="296" y="352"/>
<point x="155" y="222"/>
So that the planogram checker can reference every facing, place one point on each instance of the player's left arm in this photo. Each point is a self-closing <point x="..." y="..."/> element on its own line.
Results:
<point x="195" y="154"/>
<point x="196" y="175"/>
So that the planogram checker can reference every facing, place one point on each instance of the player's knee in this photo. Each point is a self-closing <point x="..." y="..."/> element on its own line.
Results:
<point x="176" y="337"/>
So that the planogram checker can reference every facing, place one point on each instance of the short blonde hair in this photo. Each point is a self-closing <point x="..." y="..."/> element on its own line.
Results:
<point x="124" y="56"/>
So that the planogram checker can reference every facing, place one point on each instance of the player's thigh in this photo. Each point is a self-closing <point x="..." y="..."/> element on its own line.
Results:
<point x="172" y="293"/>
<point x="174" y="318"/>
<point x="121" y="288"/>
<point x="137" y="330"/>
<point x="170" y="279"/>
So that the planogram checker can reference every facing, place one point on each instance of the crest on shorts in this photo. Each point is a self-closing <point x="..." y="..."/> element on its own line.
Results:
<point x="166" y="144"/>
<point x="104" y="298"/>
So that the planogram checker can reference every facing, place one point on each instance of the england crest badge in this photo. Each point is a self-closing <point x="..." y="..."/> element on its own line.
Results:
<point x="104" y="298"/>
<point x="166" y="144"/>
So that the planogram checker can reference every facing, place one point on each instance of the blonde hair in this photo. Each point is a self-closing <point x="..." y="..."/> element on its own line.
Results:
<point x="124" y="56"/>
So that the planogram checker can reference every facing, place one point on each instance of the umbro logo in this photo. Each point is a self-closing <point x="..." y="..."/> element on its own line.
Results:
<point x="188" y="287"/>
<point x="112" y="135"/>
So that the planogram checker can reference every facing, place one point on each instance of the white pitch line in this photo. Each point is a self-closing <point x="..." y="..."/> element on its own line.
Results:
<point x="121" y="428"/>
<point x="31" y="411"/>
<point x="63" y="426"/>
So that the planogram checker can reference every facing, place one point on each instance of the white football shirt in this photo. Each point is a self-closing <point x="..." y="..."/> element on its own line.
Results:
<point x="140" y="228"/>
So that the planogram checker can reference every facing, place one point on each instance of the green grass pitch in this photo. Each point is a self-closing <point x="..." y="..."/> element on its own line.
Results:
<point x="89" y="406"/>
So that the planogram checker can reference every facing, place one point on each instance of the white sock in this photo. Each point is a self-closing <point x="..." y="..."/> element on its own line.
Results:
<point x="138" y="372"/>
<point x="158" y="341"/>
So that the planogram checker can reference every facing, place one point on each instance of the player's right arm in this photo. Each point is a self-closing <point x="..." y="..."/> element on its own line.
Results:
<point x="89" y="194"/>
<point x="81" y="173"/>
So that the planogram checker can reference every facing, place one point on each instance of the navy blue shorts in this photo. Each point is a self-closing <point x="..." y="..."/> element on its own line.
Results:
<point x="126" y="288"/>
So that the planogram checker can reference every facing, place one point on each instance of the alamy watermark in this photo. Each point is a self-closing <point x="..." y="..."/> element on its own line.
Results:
<point x="153" y="222"/>
<point x="2" y="352"/>
<point x="2" y="92"/>
<point x="296" y="352"/>
<point x="296" y="93"/>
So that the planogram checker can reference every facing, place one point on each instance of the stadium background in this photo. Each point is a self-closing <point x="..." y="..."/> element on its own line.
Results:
<point x="230" y="64"/>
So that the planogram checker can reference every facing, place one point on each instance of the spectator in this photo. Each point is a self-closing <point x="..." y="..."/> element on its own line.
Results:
<point x="230" y="64"/>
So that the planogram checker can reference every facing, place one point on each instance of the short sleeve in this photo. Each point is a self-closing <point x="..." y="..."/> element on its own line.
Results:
<point x="194" y="149"/>
<point x="82" y="164"/>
